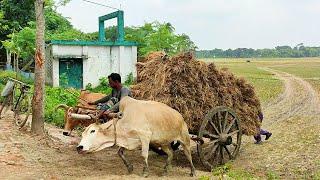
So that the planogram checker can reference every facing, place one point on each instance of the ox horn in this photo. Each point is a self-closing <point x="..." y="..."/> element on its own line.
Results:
<point x="80" y="116"/>
<point x="64" y="106"/>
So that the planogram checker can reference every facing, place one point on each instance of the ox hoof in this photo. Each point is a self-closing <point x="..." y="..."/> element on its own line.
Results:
<point x="145" y="172"/>
<point x="192" y="174"/>
<point x="168" y="167"/>
<point x="130" y="168"/>
<point x="165" y="173"/>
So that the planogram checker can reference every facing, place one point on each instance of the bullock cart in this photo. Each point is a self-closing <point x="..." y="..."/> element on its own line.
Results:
<point x="218" y="136"/>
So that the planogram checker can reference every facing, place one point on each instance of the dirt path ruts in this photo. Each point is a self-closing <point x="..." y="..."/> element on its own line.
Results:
<point x="299" y="99"/>
<point x="294" y="120"/>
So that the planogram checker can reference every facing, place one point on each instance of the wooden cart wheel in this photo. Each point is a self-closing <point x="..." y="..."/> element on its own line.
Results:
<point x="221" y="134"/>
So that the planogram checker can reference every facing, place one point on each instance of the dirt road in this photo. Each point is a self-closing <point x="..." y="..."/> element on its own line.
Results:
<point x="292" y="151"/>
<point x="294" y="120"/>
<point x="23" y="156"/>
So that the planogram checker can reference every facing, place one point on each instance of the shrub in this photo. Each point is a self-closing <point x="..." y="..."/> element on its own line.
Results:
<point x="103" y="86"/>
<point x="5" y="74"/>
<point x="129" y="80"/>
<point x="59" y="95"/>
<point x="56" y="96"/>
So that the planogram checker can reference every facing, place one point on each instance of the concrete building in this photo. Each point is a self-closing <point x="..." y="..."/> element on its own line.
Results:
<point x="78" y="63"/>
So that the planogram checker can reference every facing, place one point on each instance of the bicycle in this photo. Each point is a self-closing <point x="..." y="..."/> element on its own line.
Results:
<point x="16" y="96"/>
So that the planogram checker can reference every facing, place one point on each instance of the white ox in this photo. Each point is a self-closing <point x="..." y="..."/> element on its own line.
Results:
<point x="143" y="123"/>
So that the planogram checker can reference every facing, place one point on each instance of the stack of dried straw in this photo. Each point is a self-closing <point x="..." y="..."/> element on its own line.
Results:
<point x="193" y="88"/>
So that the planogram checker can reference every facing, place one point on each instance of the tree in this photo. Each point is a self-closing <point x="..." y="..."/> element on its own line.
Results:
<point x="15" y="15"/>
<point x="55" y="22"/>
<point x="37" y="125"/>
<point x="184" y="43"/>
<point x="21" y="43"/>
<point x="3" y="27"/>
<point x="279" y="51"/>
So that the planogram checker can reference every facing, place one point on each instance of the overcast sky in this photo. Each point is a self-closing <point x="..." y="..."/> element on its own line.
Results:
<point x="214" y="23"/>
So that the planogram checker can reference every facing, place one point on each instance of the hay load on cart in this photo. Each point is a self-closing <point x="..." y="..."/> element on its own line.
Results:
<point x="217" y="106"/>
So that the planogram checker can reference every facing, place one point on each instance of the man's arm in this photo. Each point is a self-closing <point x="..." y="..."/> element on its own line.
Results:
<point x="115" y="108"/>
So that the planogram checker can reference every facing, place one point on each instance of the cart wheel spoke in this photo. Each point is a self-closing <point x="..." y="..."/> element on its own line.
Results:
<point x="211" y="143"/>
<point x="214" y="127"/>
<point x="225" y="121"/>
<point x="230" y="125"/>
<point x="209" y="155"/>
<point x="233" y="133"/>
<point x="221" y="155"/>
<point x="227" y="150"/>
<point x="206" y="133"/>
<point x="219" y="121"/>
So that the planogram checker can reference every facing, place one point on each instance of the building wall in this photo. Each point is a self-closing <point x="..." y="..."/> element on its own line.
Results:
<point x="98" y="61"/>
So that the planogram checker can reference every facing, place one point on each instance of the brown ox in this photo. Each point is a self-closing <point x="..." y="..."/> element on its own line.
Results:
<point x="84" y="98"/>
<point x="143" y="123"/>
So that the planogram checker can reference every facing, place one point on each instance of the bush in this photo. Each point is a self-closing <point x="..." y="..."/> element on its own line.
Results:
<point x="56" y="96"/>
<point x="129" y="80"/>
<point x="5" y="74"/>
<point x="53" y="97"/>
<point x="103" y="87"/>
<point x="59" y="95"/>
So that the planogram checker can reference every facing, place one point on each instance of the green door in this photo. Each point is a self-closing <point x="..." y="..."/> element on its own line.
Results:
<point x="70" y="72"/>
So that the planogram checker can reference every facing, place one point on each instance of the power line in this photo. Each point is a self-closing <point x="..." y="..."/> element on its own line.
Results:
<point x="101" y="4"/>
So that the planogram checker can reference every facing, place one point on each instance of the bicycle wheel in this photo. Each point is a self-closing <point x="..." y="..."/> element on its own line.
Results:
<point x="5" y="105"/>
<point x="22" y="110"/>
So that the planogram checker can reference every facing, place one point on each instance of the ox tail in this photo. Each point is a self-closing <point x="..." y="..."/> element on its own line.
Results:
<point x="63" y="106"/>
<point x="185" y="134"/>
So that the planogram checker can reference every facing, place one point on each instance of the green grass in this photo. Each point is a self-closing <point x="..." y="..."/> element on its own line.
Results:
<point x="271" y="175"/>
<point x="267" y="85"/>
<point x="317" y="173"/>
<point x="227" y="171"/>
<point x="308" y="70"/>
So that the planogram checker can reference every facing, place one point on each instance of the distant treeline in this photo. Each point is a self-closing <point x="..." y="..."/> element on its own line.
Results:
<point x="279" y="51"/>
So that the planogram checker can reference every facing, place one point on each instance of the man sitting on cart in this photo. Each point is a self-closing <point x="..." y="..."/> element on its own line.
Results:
<point x="110" y="103"/>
